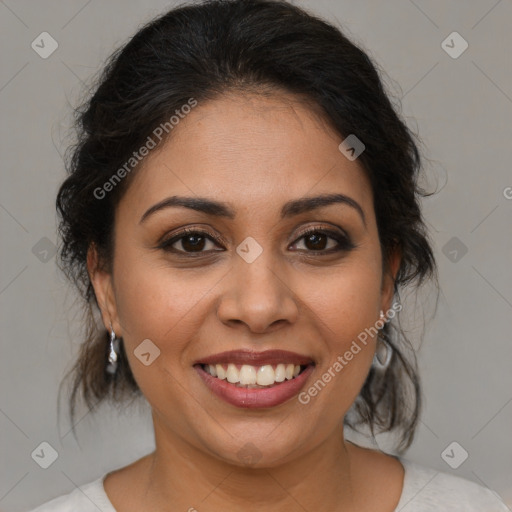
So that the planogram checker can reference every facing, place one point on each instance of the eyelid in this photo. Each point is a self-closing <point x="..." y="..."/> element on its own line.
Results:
<point x="327" y="230"/>
<point x="201" y="228"/>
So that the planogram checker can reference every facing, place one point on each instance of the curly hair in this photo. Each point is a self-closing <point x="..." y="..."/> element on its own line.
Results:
<point x="204" y="51"/>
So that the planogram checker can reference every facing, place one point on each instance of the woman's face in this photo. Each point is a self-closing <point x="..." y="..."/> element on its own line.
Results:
<point x="262" y="285"/>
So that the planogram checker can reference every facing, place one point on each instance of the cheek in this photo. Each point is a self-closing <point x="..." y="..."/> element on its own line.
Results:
<point x="166" y="307"/>
<point x="345" y="299"/>
<point x="157" y="302"/>
<point x="345" y="307"/>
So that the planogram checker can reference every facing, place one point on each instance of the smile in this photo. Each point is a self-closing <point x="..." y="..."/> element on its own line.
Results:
<point x="250" y="379"/>
<point x="253" y="377"/>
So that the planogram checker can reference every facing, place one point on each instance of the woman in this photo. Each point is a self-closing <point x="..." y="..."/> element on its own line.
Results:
<point x="243" y="210"/>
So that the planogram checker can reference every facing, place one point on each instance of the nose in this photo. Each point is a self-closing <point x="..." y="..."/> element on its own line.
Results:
<point x="259" y="296"/>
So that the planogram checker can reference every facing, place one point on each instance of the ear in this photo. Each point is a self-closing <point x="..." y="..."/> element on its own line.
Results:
<point x="388" y="279"/>
<point x="103" y="288"/>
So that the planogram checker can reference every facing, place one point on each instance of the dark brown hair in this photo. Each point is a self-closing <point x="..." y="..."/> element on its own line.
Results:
<point x="205" y="50"/>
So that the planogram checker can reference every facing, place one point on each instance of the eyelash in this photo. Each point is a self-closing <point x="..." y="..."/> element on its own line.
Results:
<point x="344" y="243"/>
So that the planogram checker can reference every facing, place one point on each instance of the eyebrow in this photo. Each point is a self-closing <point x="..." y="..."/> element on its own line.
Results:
<point x="220" y="209"/>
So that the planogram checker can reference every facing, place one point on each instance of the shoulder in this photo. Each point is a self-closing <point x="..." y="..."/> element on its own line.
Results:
<point x="428" y="490"/>
<point x="90" y="497"/>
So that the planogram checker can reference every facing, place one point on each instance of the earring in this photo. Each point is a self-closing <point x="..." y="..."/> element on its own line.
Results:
<point x="383" y="351"/>
<point x="112" y="356"/>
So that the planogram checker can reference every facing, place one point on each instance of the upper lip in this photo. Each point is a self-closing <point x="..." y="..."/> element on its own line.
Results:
<point x="253" y="358"/>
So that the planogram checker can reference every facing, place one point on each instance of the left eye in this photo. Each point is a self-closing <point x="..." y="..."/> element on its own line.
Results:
<point x="315" y="240"/>
<point x="318" y="240"/>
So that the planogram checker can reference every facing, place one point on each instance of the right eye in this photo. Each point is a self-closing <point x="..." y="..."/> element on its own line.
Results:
<point x="191" y="240"/>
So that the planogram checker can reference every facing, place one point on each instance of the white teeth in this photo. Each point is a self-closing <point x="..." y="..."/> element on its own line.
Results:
<point x="221" y="373"/>
<point x="247" y="375"/>
<point x="232" y="375"/>
<point x="254" y="376"/>
<point x="266" y="375"/>
<point x="280" y="374"/>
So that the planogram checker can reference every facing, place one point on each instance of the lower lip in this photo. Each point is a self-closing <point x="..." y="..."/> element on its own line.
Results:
<point x="253" y="398"/>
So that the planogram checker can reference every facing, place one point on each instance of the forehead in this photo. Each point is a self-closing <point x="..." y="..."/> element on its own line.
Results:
<point x="252" y="151"/>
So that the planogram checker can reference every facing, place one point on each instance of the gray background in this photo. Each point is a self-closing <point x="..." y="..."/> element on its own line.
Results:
<point x="462" y="108"/>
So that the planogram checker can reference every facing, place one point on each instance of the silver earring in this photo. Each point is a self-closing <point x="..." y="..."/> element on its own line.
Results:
<point x="112" y="356"/>
<point x="383" y="317"/>
<point x="383" y="351"/>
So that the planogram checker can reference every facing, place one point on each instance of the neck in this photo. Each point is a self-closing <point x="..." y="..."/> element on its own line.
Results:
<point x="182" y="477"/>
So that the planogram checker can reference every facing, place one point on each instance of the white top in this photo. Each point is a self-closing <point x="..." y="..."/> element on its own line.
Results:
<point x="424" y="490"/>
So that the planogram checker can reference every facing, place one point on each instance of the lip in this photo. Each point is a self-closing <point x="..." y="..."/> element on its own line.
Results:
<point x="255" y="398"/>
<point x="253" y="358"/>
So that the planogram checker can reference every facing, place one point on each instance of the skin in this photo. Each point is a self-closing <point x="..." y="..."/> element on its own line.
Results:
<point x="256" y="153"/>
